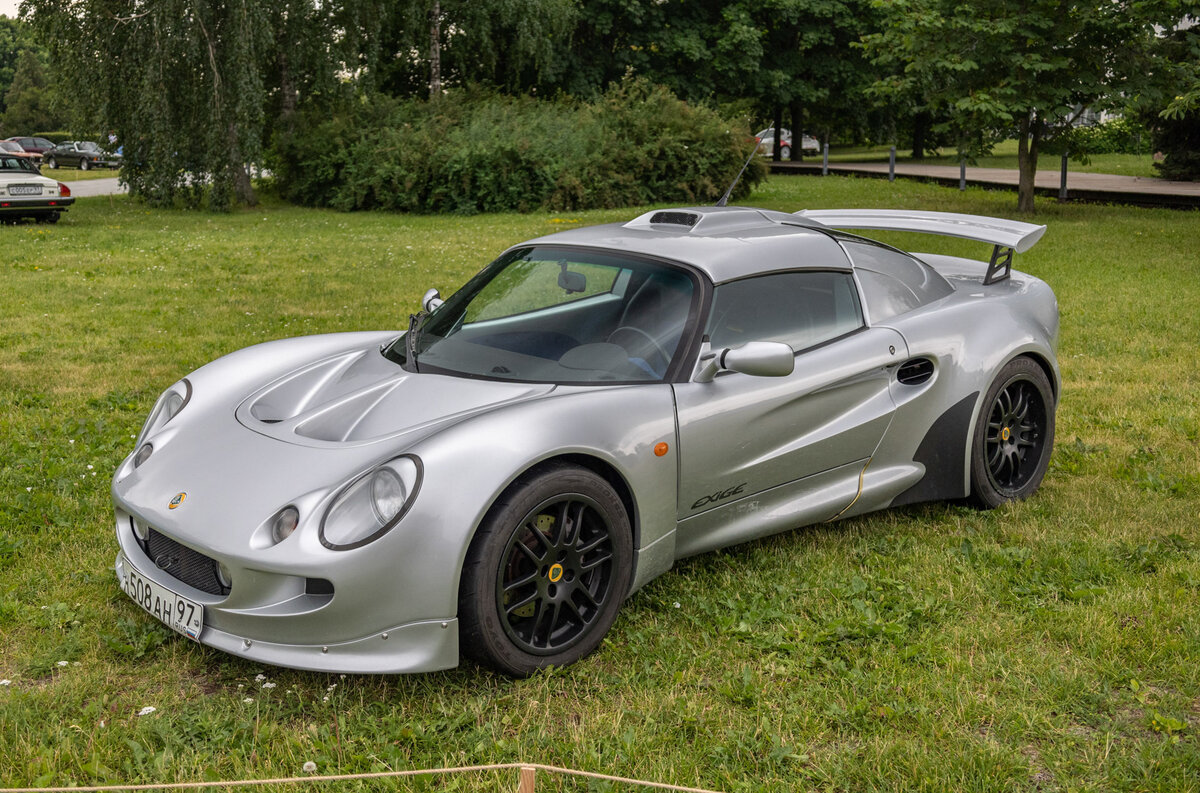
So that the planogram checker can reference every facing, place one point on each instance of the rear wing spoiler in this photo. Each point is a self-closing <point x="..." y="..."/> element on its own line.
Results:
<point x="1006" y="236"/>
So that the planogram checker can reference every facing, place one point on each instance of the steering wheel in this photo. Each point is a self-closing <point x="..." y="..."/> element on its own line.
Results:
<point x="648" y="344"/>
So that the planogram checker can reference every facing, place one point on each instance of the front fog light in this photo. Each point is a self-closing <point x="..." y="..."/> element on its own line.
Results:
<point x="143" y="454"/>
<point x="223" y="577"/>
<point x="284" y="524"/>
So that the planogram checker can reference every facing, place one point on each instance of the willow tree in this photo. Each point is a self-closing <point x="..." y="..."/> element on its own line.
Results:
<point x="178" y="81"/>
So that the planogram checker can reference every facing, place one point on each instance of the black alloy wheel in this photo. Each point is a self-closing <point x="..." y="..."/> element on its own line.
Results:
<point x="546" y="573"/>
<point x="1014" y="435"/>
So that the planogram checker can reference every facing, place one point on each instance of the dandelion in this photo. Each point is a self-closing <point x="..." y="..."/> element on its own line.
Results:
<point x="310" y="767"/>
<point x="146" y="711"/>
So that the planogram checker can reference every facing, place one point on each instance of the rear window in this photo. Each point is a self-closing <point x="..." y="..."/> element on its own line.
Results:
<point x="893" y="282"/>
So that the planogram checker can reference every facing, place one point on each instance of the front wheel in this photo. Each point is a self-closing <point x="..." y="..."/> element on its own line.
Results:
<point x="1014" y="435"/>
<point x="546" y="572"/>
<point x="785" y="152"/>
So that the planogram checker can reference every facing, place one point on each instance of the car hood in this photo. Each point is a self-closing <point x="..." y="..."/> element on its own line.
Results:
<point x="360" y="397"/>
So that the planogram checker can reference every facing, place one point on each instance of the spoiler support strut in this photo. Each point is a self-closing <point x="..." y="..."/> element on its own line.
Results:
<point x="1000" y="266"/>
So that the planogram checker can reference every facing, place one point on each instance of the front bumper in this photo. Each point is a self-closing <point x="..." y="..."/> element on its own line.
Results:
<point x="282" y="627"/>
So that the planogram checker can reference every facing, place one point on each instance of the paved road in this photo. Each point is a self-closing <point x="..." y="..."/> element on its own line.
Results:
<point x="1081" y="186"/>
<point x="92" y="187"/>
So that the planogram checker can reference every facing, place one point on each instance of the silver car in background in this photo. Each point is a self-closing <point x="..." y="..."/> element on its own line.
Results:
<point x="589" y="408"/>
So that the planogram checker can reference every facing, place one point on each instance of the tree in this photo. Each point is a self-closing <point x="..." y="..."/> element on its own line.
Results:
<point x="27" y="102"/>
<point x="1027" y="67"/>
<point x="15" y="38"/>
<point x="792" y="55"/>
<point x="512" y="45"/>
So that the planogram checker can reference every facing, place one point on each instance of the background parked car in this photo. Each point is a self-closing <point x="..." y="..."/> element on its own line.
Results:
<point x="25" y="193"/>
<point x="13" y="149"/>
<point x="766" y="142"/>
<point x="33" y="144"/>
<point x="81" y="154"/>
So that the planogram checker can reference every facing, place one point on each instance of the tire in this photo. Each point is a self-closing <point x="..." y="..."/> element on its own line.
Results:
<point x="50" y="217"/>
<point x="785" y="152"/>
<point x="546" y="573"/>
<point x="52" y="163"/>
<point x="84" y="164"/>
<point x="1013" y="436"/>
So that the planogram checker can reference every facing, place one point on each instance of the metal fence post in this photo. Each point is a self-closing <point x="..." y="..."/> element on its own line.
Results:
<point x="1062" y="185"/>
<point x="962" y="174"/>
<point x="528" y="780"/>
<point x="825" y="162"/>
<point x="892" y="164"/>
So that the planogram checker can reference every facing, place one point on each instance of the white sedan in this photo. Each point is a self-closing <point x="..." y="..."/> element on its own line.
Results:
<point x="24" y="192"/>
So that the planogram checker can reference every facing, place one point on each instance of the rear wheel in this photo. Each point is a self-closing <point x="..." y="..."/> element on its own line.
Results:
<point x="546" y="572"/>
<point x="785" y="152"/>
<point x="51" y="163"/>
<point x="84" y="164"/>
<point x="1014" y="435"/>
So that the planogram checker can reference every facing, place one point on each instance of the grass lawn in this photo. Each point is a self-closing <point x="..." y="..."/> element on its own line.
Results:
<point x="1048" y="645"/>
<point x="65" y="174"/>
<point x="1003" y="156"/>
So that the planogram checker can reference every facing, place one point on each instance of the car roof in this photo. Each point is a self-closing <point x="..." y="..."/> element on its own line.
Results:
<point x="725" y="243"/>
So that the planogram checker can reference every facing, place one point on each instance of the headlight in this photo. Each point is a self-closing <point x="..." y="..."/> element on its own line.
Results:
<point x="370" y="505"/>
<point x="169" y="405"/>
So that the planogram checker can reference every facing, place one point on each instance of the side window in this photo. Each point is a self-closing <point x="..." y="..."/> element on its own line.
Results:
<point x="800" y="309"/>
<point x="893" y="282"/>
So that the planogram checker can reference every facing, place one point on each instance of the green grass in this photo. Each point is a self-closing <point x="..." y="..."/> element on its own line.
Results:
<point x="65" y="174"/>
<point x="1047" y="645"/>
<point x="1003" y="156"/>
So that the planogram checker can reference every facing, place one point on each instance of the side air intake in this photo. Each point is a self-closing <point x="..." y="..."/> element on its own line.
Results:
<point x="915" y="372"/>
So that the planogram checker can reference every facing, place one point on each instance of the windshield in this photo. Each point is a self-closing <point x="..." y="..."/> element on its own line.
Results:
<point x="87" y="145"/>
<point x="561" y="316"/>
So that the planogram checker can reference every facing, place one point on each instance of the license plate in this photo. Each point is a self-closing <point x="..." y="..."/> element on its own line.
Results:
<point x="25" y="189"/>
<point x="176" y="612"/>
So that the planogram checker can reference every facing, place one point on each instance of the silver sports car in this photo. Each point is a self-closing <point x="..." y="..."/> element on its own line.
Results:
<point x="589" y="408"/>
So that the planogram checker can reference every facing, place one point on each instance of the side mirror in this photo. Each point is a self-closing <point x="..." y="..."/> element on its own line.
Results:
<point x="432" y="299"/>
<point x="756" y="358"/>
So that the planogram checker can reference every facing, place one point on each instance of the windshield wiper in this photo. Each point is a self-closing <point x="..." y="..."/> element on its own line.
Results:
<point x="410" y="338"/>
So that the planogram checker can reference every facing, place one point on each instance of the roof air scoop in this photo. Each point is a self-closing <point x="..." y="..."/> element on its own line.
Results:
<point x="675" y="218"/>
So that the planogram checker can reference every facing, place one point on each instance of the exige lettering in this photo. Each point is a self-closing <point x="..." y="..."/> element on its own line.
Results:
<point x="719" y="496"/>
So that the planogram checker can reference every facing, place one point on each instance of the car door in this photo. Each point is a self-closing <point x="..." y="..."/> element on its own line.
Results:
<point x="762" y="454"/>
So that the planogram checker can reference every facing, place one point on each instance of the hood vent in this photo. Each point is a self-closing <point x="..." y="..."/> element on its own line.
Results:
<point x="675" y="218"/>
<point x="915" y="372"/>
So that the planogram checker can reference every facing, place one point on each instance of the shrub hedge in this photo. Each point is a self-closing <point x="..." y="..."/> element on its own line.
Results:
<point x="477" y="152"/>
